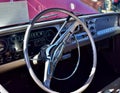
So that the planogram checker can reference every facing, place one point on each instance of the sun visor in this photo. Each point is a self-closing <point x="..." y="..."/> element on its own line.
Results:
<point x="12" y="13"/>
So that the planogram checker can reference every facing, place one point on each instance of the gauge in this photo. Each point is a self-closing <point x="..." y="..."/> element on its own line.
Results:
<point x="49" y="35"/>
<point x="39" y="42"/>
<point x="3" y="46"/>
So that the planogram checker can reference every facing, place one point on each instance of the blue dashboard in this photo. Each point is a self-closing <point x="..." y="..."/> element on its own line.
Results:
<point x="101" y="26"/>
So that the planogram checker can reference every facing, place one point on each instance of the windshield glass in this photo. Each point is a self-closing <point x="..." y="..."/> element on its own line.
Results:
<point x="22" y="11"/>
<point x="76" y="6"/>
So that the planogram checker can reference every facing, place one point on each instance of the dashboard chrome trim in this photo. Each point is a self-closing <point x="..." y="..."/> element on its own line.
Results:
<point x="48" y="23"/>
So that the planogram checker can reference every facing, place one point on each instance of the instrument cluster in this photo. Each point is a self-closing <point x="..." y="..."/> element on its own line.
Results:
<point x="11" y="46"/>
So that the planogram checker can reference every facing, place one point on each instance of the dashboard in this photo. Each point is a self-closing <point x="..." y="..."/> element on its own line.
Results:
<point x="101" y="26"/>
<point x="11" y="45"/>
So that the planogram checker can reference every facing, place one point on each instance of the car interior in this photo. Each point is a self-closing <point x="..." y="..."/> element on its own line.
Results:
<point x="61" y="51"/>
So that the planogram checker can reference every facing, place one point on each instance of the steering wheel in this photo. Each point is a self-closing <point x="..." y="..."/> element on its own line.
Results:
<point x="53" y="52"/>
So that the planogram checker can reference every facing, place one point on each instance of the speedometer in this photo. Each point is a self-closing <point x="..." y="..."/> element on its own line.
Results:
<point x="49" y="35"/>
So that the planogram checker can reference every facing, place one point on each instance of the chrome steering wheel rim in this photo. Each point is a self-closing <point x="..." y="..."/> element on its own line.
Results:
<point x="27" y="60"/>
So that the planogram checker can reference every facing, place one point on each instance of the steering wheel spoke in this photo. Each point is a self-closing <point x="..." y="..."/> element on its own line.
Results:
<point x="48" y="72"/>
<point x="63" y="25"/>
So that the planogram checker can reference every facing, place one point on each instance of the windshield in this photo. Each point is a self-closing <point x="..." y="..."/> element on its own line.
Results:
<point x="76" y="6"/>
<point x="22" y="11"/>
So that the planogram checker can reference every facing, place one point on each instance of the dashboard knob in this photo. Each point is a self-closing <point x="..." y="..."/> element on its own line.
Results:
<point x="3" y="46"/>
